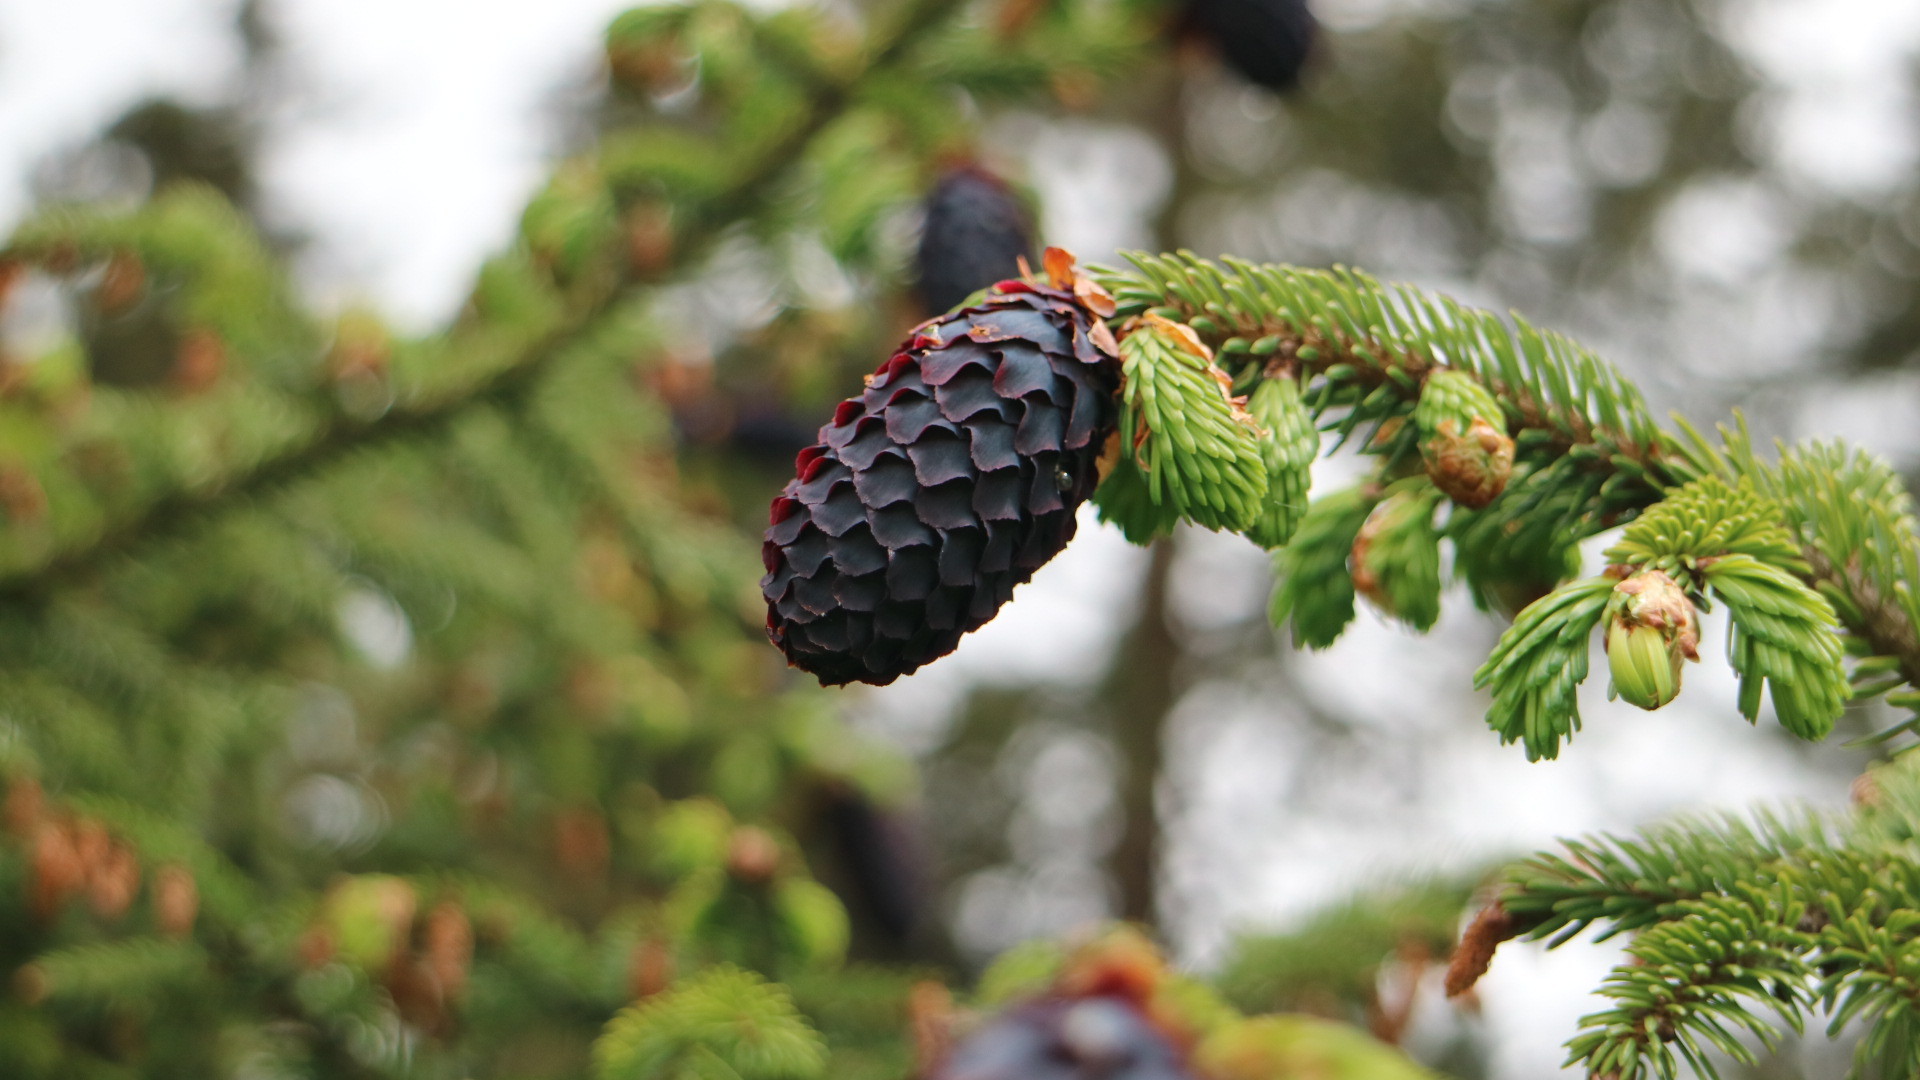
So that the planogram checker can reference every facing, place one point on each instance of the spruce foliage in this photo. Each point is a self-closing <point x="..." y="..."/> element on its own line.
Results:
<point x="374" y="705"/>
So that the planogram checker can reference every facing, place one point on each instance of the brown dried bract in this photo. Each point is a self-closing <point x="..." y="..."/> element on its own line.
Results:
<point x="417" y="996"/>
<point x="650" y="968"/>
<point x="1103" y="339"/>
<point x="591" y="690"/>
<point x="11" y="271"/>
<point x="25" y="807"/>
<point x="1474" y="954"/>
<point x="1059" y="264"/>
<point x="1185" y="336"/>
<point x="1013" y="16"/>
<point x="122" y="283"/>
<point x="1658" y="601"/>
<point x="113" y="882"/>
<point x="581" y="844"/>
<point x="92" y="843"/>
<point x="56" y="870"/>
<point x="1866" y="790"/>
<point x="176" y="900"/>
<point x="650" y="238"/>
<point x="651" y="66"/>
<point x="446" y="944"/>
<point x="931" y="1016"/>
<point x="753" y="855"/>
<point x="1366" y="581"/>
<point x="1472" y="468"/>
<point x="21" y="496"/>
<point x="316" y="947"/>
<point x="1399" y="995"/>
<point x="1075" y="88"/>
<point x="1121" y="963"/>
<point x="201" y="361"/>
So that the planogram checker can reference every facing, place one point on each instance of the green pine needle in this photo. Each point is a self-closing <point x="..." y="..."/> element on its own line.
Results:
<point x="1288" y="447"/>
<point x="1783" y="634"/>
<point x="723" y="1023"/>
<point x="1315" y="592"/>
<point x="1198" y="450"/>
<point x="1536" y="670"/>
<point x="1125" y="501"/>
<point x="1396" y="555"/>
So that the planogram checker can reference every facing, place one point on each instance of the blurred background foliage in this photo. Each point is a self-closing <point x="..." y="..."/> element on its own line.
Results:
<point x="385" y="705"/>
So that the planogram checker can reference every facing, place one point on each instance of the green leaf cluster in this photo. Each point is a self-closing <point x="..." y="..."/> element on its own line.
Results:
<point x="724" y="1024"/>
<point x="1743" y="932"/>
<point x="1783" y="636"/>
<point x="1395" y="561"/>
<point x="1338" y="954"/>
<point x="1288" y="446"/>
<point x="1196" y="449"/>
<point x="1536" y="670"/>
<point x="1315" y="590"/>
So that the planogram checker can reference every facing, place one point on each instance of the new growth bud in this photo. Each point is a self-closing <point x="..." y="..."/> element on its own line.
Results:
<point x="1651" y="630"/>
<point x="1471" y="466"/>
<point x="1463" y="439"/>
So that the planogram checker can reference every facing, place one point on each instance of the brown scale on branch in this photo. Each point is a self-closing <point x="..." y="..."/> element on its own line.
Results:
<point x="1471" y="958"/>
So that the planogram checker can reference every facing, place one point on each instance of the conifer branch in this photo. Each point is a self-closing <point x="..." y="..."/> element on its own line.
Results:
<point x="1852" y="520"/>
<point x="1797" y="916"/>
<point x="1374" y="344"/>
<point x="332" y="432"/>
<point x="1538" y="444"/>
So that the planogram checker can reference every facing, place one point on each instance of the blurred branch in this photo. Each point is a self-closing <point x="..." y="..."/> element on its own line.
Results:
<point x="340" y="432"/>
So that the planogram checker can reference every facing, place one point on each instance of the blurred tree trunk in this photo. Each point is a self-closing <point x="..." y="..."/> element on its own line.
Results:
<point x="1136" y="695"/>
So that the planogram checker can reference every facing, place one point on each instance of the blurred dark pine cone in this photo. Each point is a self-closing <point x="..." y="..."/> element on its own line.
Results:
<point x="1096" y="1038"/>
<point x="1266" y="41"/>
<point x="976" y="232"/>
<point x="949" y="481"/>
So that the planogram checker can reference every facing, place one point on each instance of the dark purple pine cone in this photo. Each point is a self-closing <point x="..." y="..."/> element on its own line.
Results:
<point x="1267" y="41"/>
<point x="976" y="233"/>
<point x="949" y="481"/>
<point x="1096" y="1038"/>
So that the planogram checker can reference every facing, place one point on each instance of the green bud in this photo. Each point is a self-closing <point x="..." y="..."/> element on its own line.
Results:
<point x="1395" y="559"/>
<point x="1464" y="441"/>
<point x="1652" y="630"/>
<point x="1288" y="445"/>
<point x="1645" y="672"/>
<point x="1194" y="443"/>
<point x="1471" y="465"/>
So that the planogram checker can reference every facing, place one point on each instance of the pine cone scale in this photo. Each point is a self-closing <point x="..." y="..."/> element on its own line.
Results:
<point x="899" y="526"/>
<point x="944" y="484"/>
<point x="940" y="368"/>
<point x="991" y="445"/>
<point x="941" y="456"/>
